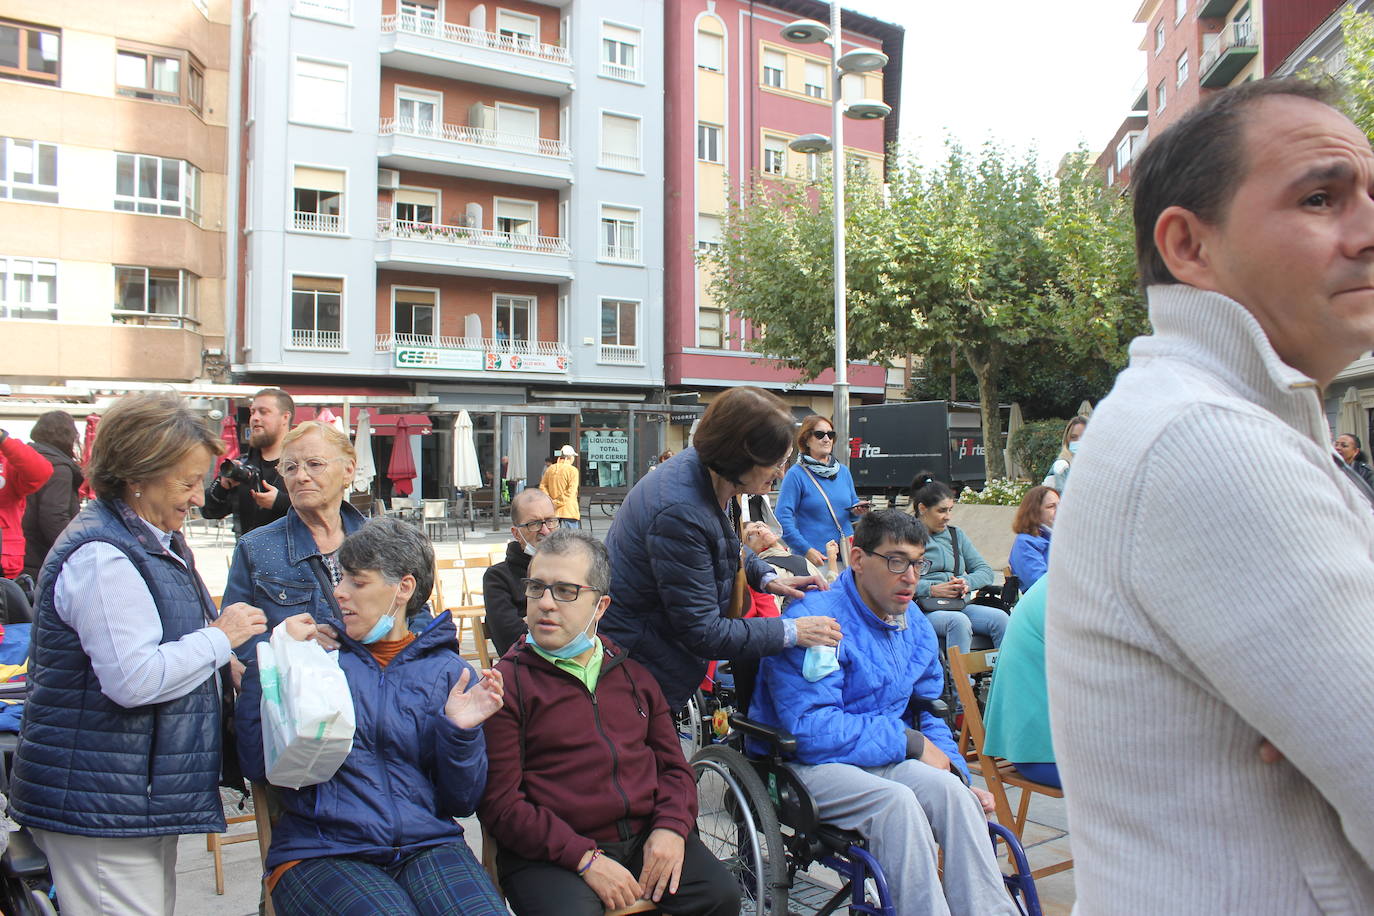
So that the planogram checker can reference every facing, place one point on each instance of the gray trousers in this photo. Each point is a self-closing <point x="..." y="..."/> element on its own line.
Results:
<point x="904" y="810"/>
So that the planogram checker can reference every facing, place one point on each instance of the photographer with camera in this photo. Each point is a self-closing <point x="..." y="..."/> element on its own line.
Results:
<point x="251" y="488"/>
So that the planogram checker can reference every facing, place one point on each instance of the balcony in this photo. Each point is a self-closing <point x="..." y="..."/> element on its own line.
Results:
<point x="311" y="339"/>
<point x="430" y="354"/>
<point x="304" y="221"/>
<point x="433" y="248"/>
<point x="620" y="355"/>
<point x="463" y="53"/>
<point x="473" y="152"/>
<point x="623" y="254"/>
<point x="623" y="162"/>
<point x="1235" y="47"/>
<point x="619" y="71"/>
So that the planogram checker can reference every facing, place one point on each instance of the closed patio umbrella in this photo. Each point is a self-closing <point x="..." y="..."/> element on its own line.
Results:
<point x="401" y="469"/>
<point x="229" y="432"/>
<point x="1014" y="423"/>
<point x="1350" y="418"/>
<point x="87" y="442"/>
<point x="466" y="474"/>
<point x="366" y="468"/>
<point x="517" y="450"/>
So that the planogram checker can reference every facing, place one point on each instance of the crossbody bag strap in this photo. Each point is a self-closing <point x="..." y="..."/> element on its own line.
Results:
<point x="326" y="585"/>
<point x="954" y="546"/>
<point x="821" y="490"/>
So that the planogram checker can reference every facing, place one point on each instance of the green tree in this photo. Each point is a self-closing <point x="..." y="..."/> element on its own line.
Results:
<point x="982" y="254"/>
<point x="1356" y="77"/>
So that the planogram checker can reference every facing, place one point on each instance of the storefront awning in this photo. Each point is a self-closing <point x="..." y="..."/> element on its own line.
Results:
<point x="383" y="424"/>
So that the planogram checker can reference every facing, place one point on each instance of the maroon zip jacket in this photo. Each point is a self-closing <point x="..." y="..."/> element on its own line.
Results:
<point x="587" y="761"/>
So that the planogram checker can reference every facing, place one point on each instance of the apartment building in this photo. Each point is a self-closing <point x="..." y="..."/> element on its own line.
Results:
<point x="112" y="179"/>
<point x="737" y="93"/>
<point x="1195" y="47"/>
<point x="463" y="200"/>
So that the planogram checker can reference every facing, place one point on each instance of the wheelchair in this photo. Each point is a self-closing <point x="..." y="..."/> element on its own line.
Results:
<point x="757" y="817"/>
<point x="25" y="881"/>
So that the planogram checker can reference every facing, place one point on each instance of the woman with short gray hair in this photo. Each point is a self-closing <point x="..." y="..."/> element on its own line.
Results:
<point x="380" y="835"/>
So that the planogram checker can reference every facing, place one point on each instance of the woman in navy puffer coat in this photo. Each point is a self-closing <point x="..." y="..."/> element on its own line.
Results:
<point x="380" y="833"/>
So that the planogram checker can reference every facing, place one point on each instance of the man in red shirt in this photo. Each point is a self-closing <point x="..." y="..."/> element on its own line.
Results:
<point x="22" y="471"/>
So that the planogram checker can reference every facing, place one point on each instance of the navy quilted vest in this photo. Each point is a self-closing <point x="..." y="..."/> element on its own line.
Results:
<point x="87" y="765"/>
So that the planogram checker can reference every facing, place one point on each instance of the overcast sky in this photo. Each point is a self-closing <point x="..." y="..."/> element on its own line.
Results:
<point x="1046" y="74"/>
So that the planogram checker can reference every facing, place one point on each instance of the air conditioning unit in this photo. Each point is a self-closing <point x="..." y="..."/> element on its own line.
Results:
<point x="388" y="179"/>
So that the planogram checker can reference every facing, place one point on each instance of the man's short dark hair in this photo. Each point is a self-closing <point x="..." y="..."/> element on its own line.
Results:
<point x="1199" y="162"/>
<point x="566" y="540"/>
<point x="889" y="525"/>
<point x="285" y="403"/>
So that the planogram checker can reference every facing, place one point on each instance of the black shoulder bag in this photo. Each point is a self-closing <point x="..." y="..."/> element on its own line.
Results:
<point x="930" y="602"/>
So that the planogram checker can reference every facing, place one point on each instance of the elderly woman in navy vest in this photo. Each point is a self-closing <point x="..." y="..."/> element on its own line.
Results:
<point x="120" y="748"/>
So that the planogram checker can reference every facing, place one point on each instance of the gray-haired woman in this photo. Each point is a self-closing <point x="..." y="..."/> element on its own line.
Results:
<point x="121" y="743"/>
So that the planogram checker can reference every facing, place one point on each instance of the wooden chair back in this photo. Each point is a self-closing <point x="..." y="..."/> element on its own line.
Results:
<point x="997" y="773"/>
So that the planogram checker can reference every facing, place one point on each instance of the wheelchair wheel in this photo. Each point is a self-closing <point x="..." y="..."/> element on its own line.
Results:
<point x="737" y="823"/>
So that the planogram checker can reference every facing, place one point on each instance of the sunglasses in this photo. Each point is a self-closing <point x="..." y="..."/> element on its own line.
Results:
<point x="823" y="433"/>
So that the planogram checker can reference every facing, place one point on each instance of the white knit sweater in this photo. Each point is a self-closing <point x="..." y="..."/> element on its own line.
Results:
<point x="1212" y="584"/>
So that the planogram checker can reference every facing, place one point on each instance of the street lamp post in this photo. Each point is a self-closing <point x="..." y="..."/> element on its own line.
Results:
<point x="808" y="31"/>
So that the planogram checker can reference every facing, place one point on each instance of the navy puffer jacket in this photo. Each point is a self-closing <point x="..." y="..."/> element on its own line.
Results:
<point x="674" y="556"/>
<point x="411" y="770"/>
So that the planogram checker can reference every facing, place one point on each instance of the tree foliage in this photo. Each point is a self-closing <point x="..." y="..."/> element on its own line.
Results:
<point x="982" y="253"/>
<point x="1356" y="76"/>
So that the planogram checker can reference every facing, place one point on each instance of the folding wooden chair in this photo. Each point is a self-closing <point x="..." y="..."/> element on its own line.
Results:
<point x="996" y="772"/>
<point x="466" y="611"/>
<point x="215" y="842"/>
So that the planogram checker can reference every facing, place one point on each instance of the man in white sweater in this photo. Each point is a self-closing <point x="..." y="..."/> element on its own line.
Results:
<point x="1211" y="665"/>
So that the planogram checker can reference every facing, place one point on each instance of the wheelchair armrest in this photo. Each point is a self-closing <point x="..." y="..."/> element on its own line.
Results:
<point x="933" y="705"/>
<point x="782" y="741"/>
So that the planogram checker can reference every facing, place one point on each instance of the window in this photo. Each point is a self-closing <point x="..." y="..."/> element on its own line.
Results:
<point x="815" y="80"/>
<point x="619" y="142"/>
<point x="857" y="165"/>
<point x="619" y="52"/>
<point x="1180" y="7"/>
<point x="710" y="51"/>
<point x="708" y="232"/>
<point x="331" y="10"/>
<point x="774" y="69"/>
<point x="319" y="93"/>
<point x="415" y="205"/>
<point x="852" y="87"/>
<point x="148" y="184"/>
<point x="159" y="75"/>
<point x="815" y="167"/>
<point x="318" y="194"/>
<point x="28" y="170"/>
<point x="421" y="18"/>
<point x="1111" y="174"/>
<point x="28" y="289"/>
<point x="316" y="312"/>
<point x="710" y="327"/>
<point x="29" y="52"/>
<point x="419" y="112"/>
<point x="1123" y="153"/>
<point x="517" y="219"/>
<point x="619" y="318"/>
<point x="1159" y="36"/>
<point x="513" y="318"/>
<point x="620" y="234"/>
<point x="774" y="156"/>
<point x="154" y="296"/>
<point x="708" y="143"/>
<point x="517" y="29"/>
<point x="1160" y="98"/>
<point x="1183" y="68"/>
<point x="416" y="313"/>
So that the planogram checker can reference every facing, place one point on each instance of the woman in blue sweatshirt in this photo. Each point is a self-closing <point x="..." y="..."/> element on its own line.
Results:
<point x="1034" y="524"/>
<point x="817" y="502"/>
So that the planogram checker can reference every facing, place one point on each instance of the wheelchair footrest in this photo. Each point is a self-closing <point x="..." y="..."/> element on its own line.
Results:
<point x="23" y="858"/>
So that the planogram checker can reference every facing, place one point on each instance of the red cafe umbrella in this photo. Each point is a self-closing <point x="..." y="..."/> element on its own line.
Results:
<point x="401" y="469"/>
<point x="230" y="434"/>
<point x="92" y="421"/>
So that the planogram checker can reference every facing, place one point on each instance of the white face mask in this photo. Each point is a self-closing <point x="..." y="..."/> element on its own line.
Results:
<point x="526" y="545"/>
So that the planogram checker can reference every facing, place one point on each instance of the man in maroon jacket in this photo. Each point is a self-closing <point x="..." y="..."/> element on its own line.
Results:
<point x="22" y="471"/>
<point x="588" y="794"/>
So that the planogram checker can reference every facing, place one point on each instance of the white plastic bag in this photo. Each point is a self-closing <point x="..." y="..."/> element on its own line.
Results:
<point x="307" y="711"/>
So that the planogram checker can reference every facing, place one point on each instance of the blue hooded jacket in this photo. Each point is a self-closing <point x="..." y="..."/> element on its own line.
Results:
<point x="411" y="770"/>
<point x="674" y="556"/>
<point x="856" y="714"/>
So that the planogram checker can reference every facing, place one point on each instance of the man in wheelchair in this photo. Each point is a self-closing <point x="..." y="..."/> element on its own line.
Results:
<point x="872" y="765"/>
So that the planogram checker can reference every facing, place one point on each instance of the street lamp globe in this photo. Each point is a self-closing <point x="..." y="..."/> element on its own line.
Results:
<point x="862" y="60"/>
<point x="810" y="143"/>
<point x="806" y="31"/>
<point x="867" y="110"/>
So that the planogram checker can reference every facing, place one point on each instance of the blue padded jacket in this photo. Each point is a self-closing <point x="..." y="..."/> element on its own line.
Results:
<point x="857" y="714"/>
<point x="411" y="770"/>
<point x="88" y="766"/>
<point x="674" y="556"/>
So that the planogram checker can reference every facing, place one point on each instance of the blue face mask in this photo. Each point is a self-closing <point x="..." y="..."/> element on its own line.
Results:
<point x="1073" y="448"/>
<point x="819" y="661"/>
<point x="575" y="646"/>
<point x="384" y="623"/>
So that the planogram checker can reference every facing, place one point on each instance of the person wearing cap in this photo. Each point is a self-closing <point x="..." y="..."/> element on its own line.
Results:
<point x="560" y="482"/>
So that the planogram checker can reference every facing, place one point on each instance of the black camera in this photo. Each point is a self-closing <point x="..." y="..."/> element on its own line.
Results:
<point x="229" y="469"/>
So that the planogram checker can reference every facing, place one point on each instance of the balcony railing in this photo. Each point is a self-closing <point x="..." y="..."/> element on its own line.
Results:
<point x="153" y="319"/>
<point x="316" y="222"/>
<point x="476" y="136"/>
<point x="316" y="340"/>
<point x="476" y="38"/>
<point x="626" y="161"/>
<point x="463" y="235"/>
<point x="620" y="355"/>
<point x="388" y="342"/>
<point x="625" y="253"/>
<point x="1235" y="35"/>
<point x="619" y="71"/>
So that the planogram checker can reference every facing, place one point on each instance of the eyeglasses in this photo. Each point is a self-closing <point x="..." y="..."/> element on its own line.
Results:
<point x="823" y="433"/>
<point x="898" y="564"/>
<point x="782" y="465"/>
<point x="313" y="466"/>
<point x="562" y="591"/>
<point x="535" y="524"/>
